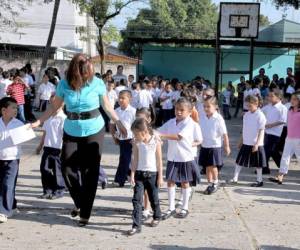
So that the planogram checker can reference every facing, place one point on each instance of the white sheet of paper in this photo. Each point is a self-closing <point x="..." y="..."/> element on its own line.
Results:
<point x="21" y="134"/>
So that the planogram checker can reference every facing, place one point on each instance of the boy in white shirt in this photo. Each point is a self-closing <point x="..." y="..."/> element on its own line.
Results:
<point x="167" y="104"/>
<point x="9" y="158"/>
<point x="226" y="94"/>
<point x="4" y="83"/>
<point x="45" y="91"/>
<point x="145" y="96"/>
<point x="51" y="142"/>
<point x="126" y="114"/>
<point x="135" y="90"/>
<point x="113" y="98"/>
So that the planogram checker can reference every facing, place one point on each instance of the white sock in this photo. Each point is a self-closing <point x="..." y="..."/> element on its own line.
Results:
<point x="259" y="174"/>
<point x="237" y="171"/>
<point x="186" y="196"/>
<point x="146" y="212"/>
<point x="216" y="182"/>
<point x="171" y="196"/>
<point x="181" y="196"/>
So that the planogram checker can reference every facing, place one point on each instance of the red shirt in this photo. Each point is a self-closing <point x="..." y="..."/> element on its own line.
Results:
<point x="17" y="91"/>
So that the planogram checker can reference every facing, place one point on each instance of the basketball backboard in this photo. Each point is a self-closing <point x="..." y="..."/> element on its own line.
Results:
<point x="239" y="20"/>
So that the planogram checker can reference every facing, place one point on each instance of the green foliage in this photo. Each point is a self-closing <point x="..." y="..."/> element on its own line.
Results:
<point x="294" y="3"/>
<point x="171" y="19"/>
<point x="264" y="21"/>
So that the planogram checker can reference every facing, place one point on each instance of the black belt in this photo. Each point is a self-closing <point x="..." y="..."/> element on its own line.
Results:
<point x="83" y="115"/>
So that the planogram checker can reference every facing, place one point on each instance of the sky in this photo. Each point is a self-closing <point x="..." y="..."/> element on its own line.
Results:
<point x="267" y="8"/>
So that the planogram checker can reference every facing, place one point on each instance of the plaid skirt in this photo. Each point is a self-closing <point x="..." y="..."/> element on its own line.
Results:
<point x="179" y="171"/>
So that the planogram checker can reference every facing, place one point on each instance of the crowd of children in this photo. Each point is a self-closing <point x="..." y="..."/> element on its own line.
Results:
<point x="154" y="110"/>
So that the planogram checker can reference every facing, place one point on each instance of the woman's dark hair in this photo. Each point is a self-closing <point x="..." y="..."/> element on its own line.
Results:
<point x="80" y="71"/>
<point x="141" y="124"/>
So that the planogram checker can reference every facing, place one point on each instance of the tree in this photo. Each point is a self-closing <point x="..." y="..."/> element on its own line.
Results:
<point x="264" y="21"/>
<point x="9" y="12"/>
<point x="50" y="36"/>
<point x="171" y="19"/>
<point x="101" y="12"/>
<point x="294" y="3"/>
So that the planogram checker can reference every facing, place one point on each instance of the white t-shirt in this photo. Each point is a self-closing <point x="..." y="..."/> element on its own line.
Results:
<point x="120" y="88"/>
<point x="145" y="98"/>
<point x="226" y="97"/>
<point x="14" y="152"/>
<point x="54" y="128"/>
<point x="112" y="97"/>
<point x="290" y="90"/>
<point x="127" y="117"/>
<point x="167" y="104"/>
<point x="213" y="129"/>
<point x="182" y="150"/>
<point x="147" y="155"/>
<point x="118" y="78"/>
<point x="135" y="98"/>
<point x="252" y="123"/>
<point x="275" y="113"/>
<point x="46" y="90"/>
<point x="4" y="83"/>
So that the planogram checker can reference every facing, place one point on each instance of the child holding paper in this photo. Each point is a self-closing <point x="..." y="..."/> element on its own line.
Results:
<point x="50" y="167"/>
<point x="9" y="158"/>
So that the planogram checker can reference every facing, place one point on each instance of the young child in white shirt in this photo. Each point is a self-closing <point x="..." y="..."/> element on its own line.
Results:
<point x="182" y="134"/>
<point x="252" y="153"/>
<point x="50" y="167"/>
<point x="145" y="98"/>
<point x="276" y="115"/>
<point x="146" y="172"/>
<point x="213" y="129"/>
<point x="113" y="98"/>
<point x="45" y="91"/>
<point x="166" y="103"/>
<point x="135" y="90"/>
<point x="126" y="114"/>
<point x="9" y="158"/>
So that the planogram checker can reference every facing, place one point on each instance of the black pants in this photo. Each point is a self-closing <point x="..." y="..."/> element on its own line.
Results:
<point x="226" y="111"/>
<point x="270" y="145"/>
<point x="124" y="161"/>
<point x="80" y="167"/>
<point x="279" y="147"/>
<point x="43" y="105"/>
<point x="167" y="114"/>
<point x="145" y="181"/>
<point x="52" y="180"/>
<point x="239" y="105"/>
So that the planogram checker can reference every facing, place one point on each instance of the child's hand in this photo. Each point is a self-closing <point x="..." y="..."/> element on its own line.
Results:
<point x="132" y="182"/>
<point x="116" y="140"/>
<point x="227" y="150"/>
<point x="255" y="148"/>
<point x="160" y="181"/>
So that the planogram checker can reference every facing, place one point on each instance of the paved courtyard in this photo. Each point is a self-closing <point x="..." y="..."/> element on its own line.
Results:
<point x="237" y="217"/>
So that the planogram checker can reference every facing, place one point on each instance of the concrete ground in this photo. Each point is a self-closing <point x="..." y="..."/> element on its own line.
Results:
<point x="237" y="217"/>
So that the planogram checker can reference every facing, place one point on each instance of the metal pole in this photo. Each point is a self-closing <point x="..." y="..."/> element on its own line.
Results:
<point x="251" y="59"/>
<point x="139" y="57"/>
<point x="217" y="59"/>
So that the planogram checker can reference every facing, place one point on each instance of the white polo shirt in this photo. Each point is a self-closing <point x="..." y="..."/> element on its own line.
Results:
<point x="120" y="88"/>
<point x="54" y="128"/>
<point x="167" y="104"/>
<point x="112" y="97"/>
<point x="182" y="150"/>
<point x="46" y="90"/>
<point x="275" y="113"/>
<point x="14" y="152"/>
<point x="213" y="129"/>
<point x="127" y="117"/>
<point x="252" y="123"/>
<point x="145" y="98"/>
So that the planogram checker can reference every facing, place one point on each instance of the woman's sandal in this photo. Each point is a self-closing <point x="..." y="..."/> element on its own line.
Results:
<point x="75" y="212"/>
<point x="154" y="223"/>
<point x="83" y="222"/>
<point x="183" y="214"/>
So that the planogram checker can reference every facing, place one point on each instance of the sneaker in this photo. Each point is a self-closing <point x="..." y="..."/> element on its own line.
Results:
<point x="257" y="184"/>
<point x="45" y="196"/>
<point x="104" y="184"/>
<point x="146" y="217"/>
<point x="3" y="218"/>
<point x="179" y="204"/>
<point x="168" y="214"/>
<point x="213" y="189"/>
<point x="134" y="230"/>
<point x="83" y="222"/>
<point x="182" y="214"/>
<point x="75" y="212"/>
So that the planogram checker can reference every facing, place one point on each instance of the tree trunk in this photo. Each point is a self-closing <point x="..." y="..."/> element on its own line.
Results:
<point x="50" y="37"/>
<point x="100" y="48"/>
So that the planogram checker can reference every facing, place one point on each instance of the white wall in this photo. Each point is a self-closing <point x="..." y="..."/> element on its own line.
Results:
<point x="37" y="19"/>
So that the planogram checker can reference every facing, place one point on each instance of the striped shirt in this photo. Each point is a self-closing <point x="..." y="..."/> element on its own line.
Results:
<point x="17" y="91"/>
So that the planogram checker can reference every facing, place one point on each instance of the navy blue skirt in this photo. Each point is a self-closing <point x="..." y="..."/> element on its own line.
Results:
<point x="246" y="158"/>
<point x="179" y="171"/>
<point x="211" y="157"/>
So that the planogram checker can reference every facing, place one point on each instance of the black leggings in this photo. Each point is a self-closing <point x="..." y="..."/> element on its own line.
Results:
<point x="80" y="167"/>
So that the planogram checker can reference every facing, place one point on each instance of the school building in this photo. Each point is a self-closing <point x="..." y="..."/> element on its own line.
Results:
<point x="187" y="62"/>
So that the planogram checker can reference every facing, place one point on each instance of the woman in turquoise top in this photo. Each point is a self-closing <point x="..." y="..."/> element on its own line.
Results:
<point x="82" y="94"/>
